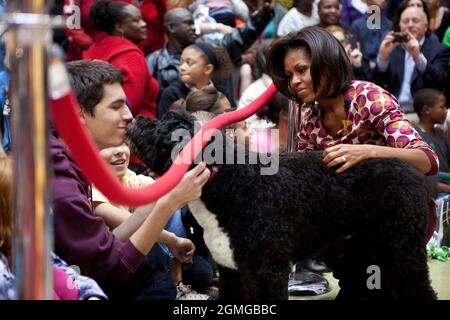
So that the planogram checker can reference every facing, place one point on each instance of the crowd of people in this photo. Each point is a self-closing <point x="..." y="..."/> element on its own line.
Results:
<point x="357" y="69"/>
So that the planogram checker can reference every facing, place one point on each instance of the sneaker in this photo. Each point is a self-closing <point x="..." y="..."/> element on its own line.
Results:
<point x="212" y="292"/>
<point x="307" y="283"/>
<point x="185" y="292"/>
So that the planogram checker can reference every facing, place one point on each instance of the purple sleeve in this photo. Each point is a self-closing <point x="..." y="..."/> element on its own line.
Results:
<point x="433" y="161"/>
<point x="384" y="111"/>
<point x="82" y="239"/>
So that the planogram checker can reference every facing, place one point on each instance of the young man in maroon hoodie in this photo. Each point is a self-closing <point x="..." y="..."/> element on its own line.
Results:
<point x="81" y="237"/>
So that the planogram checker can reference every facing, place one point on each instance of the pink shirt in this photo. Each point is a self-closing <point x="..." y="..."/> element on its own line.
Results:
<point x="263" y="142"/>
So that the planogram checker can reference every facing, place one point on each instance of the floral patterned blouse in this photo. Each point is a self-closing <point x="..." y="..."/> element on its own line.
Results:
<point x="373" y="116"/>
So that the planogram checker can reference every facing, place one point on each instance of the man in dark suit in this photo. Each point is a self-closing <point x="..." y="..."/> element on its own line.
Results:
<point x="412" y="60"/>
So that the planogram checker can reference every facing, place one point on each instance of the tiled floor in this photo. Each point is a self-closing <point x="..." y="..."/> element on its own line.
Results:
<point x="440" y="280"/>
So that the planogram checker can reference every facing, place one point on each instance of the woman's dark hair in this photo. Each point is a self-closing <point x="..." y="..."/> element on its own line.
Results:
<point x="402" y="7"/>
<point x="425" y="97"/>
<point x="261" y="59"/>
<point x="216" y="56"/>
<point x="206" y="99"/>
<point x="329" y="62"/>
<point x="105" y="14"/>
<point x="271" y="111"/>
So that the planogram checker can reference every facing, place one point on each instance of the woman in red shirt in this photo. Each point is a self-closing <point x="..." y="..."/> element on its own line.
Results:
<point x="123" y="29"/>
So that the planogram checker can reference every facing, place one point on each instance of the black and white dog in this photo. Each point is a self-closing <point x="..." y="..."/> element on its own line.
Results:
<point x="371" y="217"/>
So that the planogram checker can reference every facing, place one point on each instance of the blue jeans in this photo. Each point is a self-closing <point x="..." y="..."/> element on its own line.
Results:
<point x="149" y="282"/>
<point x="152" y="280"/>
<point x="161" y="254"/>
<point x="199" y="274"/>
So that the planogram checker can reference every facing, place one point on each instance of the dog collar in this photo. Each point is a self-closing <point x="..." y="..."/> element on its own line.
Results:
<point x="214" y="169"/>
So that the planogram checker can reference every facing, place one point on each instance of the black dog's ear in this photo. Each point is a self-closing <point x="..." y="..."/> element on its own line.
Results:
<point x="144" y="122"/>
<point x="139" y="128"/>
<point x="152" y="141"/>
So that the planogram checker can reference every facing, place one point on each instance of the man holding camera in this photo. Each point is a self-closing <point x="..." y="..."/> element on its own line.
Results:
<point x="412" y="59"/>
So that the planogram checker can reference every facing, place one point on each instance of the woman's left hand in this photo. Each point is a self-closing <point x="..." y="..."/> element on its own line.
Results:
<point x="347" y="155"/>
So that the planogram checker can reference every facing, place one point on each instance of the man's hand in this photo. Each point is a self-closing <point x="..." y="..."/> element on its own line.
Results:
<point x="412" y="46"/>
<point x="387" y="46"/>
<point x="190" y="187"/>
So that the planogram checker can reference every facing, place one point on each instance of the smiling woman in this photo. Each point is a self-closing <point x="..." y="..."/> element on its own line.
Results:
<point x="350" y="120"/>
<point x="123" y="29"/>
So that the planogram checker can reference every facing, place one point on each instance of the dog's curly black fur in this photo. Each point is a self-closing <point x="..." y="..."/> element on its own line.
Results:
<point x="372" y="214"/>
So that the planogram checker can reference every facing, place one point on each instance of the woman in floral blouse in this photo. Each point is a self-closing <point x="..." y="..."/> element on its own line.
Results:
<point x="350" y="120"/>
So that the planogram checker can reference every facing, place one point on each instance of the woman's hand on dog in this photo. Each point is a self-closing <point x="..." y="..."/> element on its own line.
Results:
<point x="347" y="155"/>
<point x="190" y="187"/>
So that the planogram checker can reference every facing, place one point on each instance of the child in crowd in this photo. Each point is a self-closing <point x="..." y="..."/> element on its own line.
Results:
<point x="360" y="64"/>
<point x="430" y="106"/>
<point x="201" y="65"/>
<point x="172" y="239"/>
<point x="207" y="99"/>
<point x="212" y="101"/>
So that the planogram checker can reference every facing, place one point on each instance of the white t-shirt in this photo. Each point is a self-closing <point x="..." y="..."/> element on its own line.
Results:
<point x="249" y="95"/>
<point x="293" y="21"/>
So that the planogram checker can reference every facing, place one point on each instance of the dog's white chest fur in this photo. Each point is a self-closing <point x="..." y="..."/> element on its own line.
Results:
<point x="215" y="237"/>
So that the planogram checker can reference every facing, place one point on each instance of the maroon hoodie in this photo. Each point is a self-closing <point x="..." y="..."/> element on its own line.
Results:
<point x="81" y="237"/>
<point x="139" y="85"/>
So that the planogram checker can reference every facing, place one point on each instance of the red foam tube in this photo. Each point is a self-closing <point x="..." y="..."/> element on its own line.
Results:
<point x="66" y="120"/>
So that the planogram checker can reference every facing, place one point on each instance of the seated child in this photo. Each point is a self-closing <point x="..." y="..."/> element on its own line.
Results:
<point x="173" y="241"/>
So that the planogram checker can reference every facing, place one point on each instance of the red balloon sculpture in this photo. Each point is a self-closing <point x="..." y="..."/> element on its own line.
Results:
<point x="65" y="113"/>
